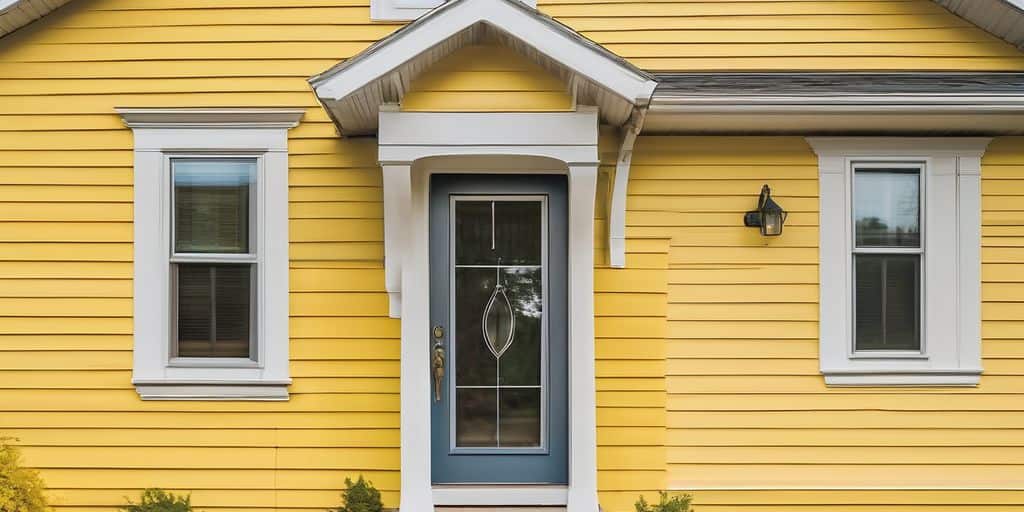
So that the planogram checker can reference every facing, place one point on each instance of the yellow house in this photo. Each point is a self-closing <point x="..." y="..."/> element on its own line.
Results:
<point x="491" y="254"/>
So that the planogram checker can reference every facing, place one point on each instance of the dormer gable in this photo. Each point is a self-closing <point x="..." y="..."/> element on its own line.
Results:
<point x="354" y="90"/>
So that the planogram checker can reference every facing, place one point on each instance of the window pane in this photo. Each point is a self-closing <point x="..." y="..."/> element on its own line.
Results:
<point x="520" y="365"/>
<point x="211" y="204"/>
<point x="519" y="417"/>
<point x="488" y="230"/>
<point x="888" y="302"/>
<point x="887" y="206"/>
<point x="214" y="310"/>
<point x="476" y="417"/>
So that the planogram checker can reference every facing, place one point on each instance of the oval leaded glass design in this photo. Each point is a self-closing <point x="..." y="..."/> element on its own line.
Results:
<point x="499" y="322"/>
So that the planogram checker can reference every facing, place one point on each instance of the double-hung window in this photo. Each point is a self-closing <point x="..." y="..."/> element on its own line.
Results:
<point x="211" y="253"/>
<point x="900" y="244"/>
<point x="214" y="262"/>
<point x="888" y="255"/>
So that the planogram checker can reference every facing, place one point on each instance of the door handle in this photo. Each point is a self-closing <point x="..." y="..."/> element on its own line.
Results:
<point x="437" y="359"/>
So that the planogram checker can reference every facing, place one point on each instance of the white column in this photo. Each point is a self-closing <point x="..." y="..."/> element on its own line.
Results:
<point x="415" y="364"/>
<point x="396" y="210"/>
<point x="582" y="386"/>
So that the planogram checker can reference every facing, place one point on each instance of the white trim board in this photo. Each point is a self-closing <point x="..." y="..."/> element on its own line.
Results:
<point x="158" y="134"/>
<point x="429" y="143"/>
<point x="951" y="302"/>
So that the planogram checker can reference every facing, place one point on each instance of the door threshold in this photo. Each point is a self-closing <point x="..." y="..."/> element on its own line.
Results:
<point x="500" y="495"/>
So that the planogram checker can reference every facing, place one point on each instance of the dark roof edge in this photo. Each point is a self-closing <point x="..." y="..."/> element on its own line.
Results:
<point x="833" y="84"/>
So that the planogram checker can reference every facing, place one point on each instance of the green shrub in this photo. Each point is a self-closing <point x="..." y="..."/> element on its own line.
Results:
<point x="677" y="503"/>
<point x="360" y="496"/>
<point x="158" y="500"/>
<point x="21" y="489"/>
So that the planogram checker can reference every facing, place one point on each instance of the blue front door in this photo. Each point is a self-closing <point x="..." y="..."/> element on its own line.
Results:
<point x="499" y="338"/>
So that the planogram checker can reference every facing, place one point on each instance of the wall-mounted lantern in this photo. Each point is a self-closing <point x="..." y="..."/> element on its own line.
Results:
<point x="769" y="216"/>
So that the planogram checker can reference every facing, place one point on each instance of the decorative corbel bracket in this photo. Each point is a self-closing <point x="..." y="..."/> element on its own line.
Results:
<point x="617" y="213"/>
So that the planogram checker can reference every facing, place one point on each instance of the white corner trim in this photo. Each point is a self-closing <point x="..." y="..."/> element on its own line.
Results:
<point x="558" y="43"/>
<point x="414" y="145"/>
<point x="617" y="213"/>
<point x="503" y="495"/>
<point x="951" y="339"/>
<point x="159" y="134"/>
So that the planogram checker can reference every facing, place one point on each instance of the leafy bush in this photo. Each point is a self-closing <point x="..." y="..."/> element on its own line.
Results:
<point x="677" y="503"/>
<point x="158" y="500"/>
<point x="21" y="489"/>
<point x="360" y="496"/>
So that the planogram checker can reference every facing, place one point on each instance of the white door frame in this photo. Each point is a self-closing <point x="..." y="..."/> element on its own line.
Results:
<point x="414" y="145"/>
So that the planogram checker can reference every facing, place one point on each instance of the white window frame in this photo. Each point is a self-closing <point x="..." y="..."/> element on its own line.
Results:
<point x="162" y="134"/>
<point x="950" y="352"/>
<point x="406" y="10"/>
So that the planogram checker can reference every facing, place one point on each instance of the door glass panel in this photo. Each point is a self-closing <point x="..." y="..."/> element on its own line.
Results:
<point x="473" y="233"/>
<point x="498" y="307"/>
<point x="476" y="366"/>
<point x="517" y="232"/>
<point x="519" y="417"/>
<point x="476" y="417"/>
<point x="508" y="232"/>
<point x="520" y="364"/>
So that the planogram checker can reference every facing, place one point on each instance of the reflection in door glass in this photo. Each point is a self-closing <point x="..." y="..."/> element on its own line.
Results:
<point x="498" y="299"/>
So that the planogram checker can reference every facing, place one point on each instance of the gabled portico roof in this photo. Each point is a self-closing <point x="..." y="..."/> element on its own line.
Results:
<point x="353" y="90"/>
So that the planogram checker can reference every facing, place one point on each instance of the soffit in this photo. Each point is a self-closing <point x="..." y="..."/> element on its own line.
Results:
<point x="1001" y="18"/>
<point x="15" y="14"/>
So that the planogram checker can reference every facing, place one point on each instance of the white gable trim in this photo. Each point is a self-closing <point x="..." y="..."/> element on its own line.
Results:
<point x="353" y="90"/>
<point x="511" y="16"/>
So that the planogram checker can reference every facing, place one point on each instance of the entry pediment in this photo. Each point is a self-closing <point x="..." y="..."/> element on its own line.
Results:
<point x="354" y="90"/>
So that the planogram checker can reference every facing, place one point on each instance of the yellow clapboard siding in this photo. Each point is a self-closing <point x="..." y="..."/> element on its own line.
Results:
<point x="65" y="255"/>
<point x="742" y="337"/>
<point x="903" y="402"/>
<point x="207" y="437"/>
<point x="487" y="79"/>
<point x="812" y="476"/>
<point x="845" y="437"/>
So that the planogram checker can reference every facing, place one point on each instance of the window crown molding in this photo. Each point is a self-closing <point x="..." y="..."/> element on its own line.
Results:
<point x="951" y="340"/>
<point x="899" y="146"/>
<point x="210" y="117"/>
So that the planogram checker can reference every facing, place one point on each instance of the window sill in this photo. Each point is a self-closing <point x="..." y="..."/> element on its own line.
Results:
<point x="265" y="390"/>
<point x="953" y="377"/>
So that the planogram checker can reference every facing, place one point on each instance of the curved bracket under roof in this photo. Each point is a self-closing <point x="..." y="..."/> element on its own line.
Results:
<point x="354" y="90"/>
